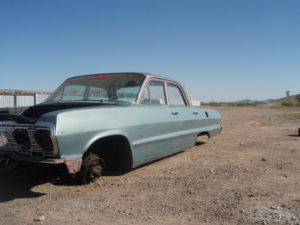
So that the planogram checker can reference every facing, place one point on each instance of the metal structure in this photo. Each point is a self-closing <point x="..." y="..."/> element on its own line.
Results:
<point x="21" y="98"/>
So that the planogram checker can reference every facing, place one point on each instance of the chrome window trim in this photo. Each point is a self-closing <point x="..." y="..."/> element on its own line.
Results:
<point x="181" y="92"/>
<point x="145" y="86"/>
<point x="167" y="94"/>
<point x="165" y="81"/>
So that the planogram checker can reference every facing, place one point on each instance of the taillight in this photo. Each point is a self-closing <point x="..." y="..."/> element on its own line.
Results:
<point x="42" y="137"/>
<point x="22" y="139"/>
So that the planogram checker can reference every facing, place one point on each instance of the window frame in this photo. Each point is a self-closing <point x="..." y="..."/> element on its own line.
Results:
<point x="146" y="88"/>
<point x="180" y="91"/>
<point x="165" y="82"/>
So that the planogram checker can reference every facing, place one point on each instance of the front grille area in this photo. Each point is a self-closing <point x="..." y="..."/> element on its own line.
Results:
<point x="22" y="138"/>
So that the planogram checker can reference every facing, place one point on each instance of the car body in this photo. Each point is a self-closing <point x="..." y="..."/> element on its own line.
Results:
<point x="114" y="120"/>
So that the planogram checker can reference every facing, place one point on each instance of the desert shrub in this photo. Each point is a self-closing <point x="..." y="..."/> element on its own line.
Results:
<point x="287" y="104"/>
<point x="245" y="104"/>
<point x="234" y="104"/>
<point x="210" y="103"/>
<point x="292" y="116"/>
<point x="298" y="98"/>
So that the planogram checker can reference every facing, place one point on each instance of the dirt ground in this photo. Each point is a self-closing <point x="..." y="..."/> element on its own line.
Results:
<point x="250" y="174"/>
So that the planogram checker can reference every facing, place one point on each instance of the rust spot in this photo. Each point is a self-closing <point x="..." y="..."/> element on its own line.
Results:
<point x="73" y="165"/>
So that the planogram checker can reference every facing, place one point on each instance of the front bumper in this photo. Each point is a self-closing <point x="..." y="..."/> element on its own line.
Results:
<point x="73" y="165"/>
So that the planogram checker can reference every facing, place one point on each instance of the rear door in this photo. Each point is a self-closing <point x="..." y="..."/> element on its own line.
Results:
<point x="160" y="136"/>
<point x="187" y="117"/>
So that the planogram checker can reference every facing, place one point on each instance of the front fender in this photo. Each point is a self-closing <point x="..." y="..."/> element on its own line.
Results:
<point x="105" y="134"/>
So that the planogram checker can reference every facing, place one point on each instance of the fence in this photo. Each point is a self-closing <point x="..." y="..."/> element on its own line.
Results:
<point x="20" y="98"/>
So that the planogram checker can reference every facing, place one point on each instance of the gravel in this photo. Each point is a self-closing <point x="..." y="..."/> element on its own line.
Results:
<point x="247" y="175"/>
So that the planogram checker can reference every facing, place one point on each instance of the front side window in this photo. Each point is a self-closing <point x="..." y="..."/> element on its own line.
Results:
<point x="110" y="87"/>
<point x="154" y="94"/>
<point x="175" y="95"/>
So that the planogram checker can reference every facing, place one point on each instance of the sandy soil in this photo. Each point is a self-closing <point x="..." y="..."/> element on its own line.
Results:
<point x="250" y="174"/>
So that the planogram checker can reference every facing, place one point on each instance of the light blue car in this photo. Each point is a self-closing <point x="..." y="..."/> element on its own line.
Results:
<point x="106" y="121"/>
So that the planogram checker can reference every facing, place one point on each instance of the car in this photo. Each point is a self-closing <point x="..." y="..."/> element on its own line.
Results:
<point x="106" y="121"/>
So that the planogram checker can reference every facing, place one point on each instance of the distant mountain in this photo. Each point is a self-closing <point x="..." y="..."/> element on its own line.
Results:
<point x="247" y="101"/>
<point x="291" y="99"/>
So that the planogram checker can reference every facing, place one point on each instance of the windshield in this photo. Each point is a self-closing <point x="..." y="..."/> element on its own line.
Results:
<point x="102" y="87"/>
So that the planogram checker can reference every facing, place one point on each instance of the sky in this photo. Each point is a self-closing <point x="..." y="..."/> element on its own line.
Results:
<point x="219" y="50"/>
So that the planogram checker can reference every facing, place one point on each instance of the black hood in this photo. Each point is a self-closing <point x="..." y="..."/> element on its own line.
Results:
<point x="16" y="118"/>
<point x="38" y="110"/>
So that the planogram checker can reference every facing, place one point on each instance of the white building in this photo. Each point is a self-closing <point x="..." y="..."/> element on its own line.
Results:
<point x="195" y="102"/>
<point x="21" y="98"/>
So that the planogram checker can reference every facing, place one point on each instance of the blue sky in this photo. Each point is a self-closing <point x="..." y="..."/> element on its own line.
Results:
<point x="220" y="50"/>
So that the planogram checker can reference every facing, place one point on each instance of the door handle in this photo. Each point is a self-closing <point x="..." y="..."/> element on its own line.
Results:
<point x="206" y="114"/>
<point x="175" y="113"/>
<point x="195" y="113"/>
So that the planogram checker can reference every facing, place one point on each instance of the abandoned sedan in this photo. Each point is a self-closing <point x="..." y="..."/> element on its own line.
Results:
<point x="106" y="121"/>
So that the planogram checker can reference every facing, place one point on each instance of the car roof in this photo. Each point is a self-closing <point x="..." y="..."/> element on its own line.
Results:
<point x="147" y="75"/>
<point x="151" y="75"/>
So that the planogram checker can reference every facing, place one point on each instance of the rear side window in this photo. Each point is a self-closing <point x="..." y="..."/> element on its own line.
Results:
<point x="175" y="95"/>
<point x="154" y="94"/>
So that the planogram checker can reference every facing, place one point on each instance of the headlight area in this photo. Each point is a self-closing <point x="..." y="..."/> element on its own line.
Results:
<point x="35" y="140"/>
<point x="43" y="138"/>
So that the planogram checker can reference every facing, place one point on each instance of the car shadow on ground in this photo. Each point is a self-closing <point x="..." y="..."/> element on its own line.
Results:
<point x="199" y="143"/>
<point x="19" y="182"/>
<point x="14" y="186"/>
<point x="294" y="135"/>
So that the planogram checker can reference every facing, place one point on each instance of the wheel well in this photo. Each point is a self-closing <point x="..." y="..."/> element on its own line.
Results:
<point x="114" y="150"/>
<point x="204" y="134"/>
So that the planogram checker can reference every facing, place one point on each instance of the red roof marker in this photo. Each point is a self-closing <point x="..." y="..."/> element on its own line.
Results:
<point x="101" y="76"/>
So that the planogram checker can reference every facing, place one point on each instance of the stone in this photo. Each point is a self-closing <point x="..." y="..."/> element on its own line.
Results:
<point x="40" y="218"/>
